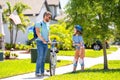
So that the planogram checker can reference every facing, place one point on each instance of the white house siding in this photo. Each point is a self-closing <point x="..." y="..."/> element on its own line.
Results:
<point x="55" y="10"/>
<point x="7" y="34"/>
<point x="22" y="37"/>
<point x="52" y="9"/>
<point x="58" y="10"/>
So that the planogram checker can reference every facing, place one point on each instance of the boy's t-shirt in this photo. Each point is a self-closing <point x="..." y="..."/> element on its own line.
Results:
<point x="78" y="40"/>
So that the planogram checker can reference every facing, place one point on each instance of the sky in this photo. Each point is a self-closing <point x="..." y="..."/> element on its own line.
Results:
<point x="63" y="3"/>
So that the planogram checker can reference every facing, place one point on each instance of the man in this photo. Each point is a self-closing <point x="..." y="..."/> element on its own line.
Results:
<point x="42" y="31"/>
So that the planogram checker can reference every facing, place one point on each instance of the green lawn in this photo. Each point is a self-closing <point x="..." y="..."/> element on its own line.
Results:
<point x="93" y="73"/>
<point x="89" y="52"/>
<point x="15" y="67"/>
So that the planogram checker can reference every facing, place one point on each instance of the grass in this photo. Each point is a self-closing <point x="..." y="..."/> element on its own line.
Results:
<point x="15" y="67"/>
<point x="89" y="52"/>
<point x="93" y="73"/>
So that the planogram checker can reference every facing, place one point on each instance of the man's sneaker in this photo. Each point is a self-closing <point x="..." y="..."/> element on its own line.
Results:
<point x="38" y="75"/>
<point x="44" y="75"/>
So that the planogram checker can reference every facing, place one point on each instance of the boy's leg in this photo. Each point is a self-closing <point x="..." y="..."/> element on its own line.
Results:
<point x="82" y="53"/>
<point x="75" y="61"/>
<point x="75" y="64"/>
<point x="81" y="60"/>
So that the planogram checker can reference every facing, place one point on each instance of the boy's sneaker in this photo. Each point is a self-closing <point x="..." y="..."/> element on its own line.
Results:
<point x="73" y="71"/>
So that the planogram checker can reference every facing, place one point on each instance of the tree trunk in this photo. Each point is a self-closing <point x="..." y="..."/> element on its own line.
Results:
<point x="16" y="35"/>
<point x="11" y="34"/>
<point x="105" y="56"/>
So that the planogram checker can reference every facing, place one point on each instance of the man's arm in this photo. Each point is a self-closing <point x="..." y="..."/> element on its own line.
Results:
<point x="39" y="36"/>
<point x="49" y="38"/>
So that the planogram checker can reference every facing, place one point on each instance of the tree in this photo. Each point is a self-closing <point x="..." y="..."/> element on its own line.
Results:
<point x="96" y="17"/>
<point x="19" y="7"/>
<point x="6" y="19"/>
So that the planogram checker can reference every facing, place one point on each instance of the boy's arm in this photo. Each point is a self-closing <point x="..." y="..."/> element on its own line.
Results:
<point x="81" y="45"/>
<point x="74" y="43"/>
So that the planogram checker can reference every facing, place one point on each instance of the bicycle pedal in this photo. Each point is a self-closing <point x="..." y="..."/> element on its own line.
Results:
<point x="47" y="70"/>
<point x="58" y="60"/>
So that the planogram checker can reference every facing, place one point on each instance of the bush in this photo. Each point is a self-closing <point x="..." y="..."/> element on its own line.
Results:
<point x="22" y="47"/>
<point x="8" y="46"/>
<point x="14" y="55"/>
<point x="7" y="53"/>
<point x="62" y="35"/>
<point x="1" y="35"/>
<point x="17" y="46"/>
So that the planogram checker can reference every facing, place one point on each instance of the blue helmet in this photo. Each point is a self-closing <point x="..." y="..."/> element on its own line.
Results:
<point x="79" y="28"/>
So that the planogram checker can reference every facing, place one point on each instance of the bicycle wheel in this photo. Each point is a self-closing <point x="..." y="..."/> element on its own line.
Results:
<point x="52" y="64"/>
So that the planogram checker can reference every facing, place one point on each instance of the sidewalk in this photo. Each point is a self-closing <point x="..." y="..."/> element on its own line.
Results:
<point x="65" y="69"/>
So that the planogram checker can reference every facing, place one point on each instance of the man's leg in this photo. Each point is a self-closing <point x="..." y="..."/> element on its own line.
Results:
<point x="39" y="57"/>
<point x="43" y="58"/>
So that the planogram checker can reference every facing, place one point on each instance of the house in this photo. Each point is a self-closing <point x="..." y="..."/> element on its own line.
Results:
<point x="54" y="6"/>
<point x="38" y="7"/>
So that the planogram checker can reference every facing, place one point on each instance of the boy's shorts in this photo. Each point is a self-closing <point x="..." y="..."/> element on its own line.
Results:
<point x="78" y="47"/>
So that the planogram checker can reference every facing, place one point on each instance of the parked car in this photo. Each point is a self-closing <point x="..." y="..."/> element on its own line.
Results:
<point x="97" y="45"/>
<point x="116" y="43"/>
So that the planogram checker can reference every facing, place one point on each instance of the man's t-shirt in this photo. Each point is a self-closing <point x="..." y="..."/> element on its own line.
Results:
<point x="44" y="30"/>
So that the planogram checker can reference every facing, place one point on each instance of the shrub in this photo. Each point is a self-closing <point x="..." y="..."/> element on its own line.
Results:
<point x="7" y="53"/>
<point x="14" y="55"/>
<point x="8" y="46"/>
<point x="1" y="35"/>
<point x="62" y="35"/>
<point x="22" y="47"/>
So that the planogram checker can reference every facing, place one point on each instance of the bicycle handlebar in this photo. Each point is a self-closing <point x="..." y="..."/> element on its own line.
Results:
<point x="53" y="42"/>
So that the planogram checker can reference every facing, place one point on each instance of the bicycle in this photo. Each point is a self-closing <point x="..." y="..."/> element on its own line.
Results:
<point x="53" y="58"/>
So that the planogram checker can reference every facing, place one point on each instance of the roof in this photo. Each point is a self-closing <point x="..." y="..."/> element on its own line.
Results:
<point x="53" y="2"/>
<point x="35" y="5"/>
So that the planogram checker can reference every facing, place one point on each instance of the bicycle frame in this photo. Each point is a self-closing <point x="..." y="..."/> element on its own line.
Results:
<point x="53" y="59"/>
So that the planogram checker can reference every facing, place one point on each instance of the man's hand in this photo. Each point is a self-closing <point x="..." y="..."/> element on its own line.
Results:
<point x="44" y="42"/>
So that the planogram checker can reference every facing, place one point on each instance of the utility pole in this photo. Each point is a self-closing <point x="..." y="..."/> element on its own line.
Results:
<point x="2" y="29"/>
